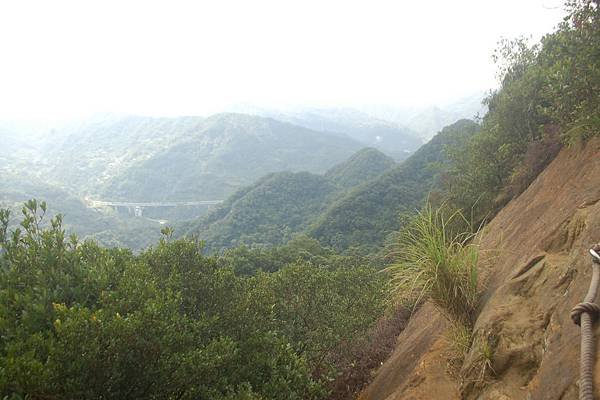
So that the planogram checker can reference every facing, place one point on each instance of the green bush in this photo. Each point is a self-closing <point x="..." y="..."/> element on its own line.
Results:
<point x="304" y="296"/>
<point x="81" y="321"/>
<point x="549" y="87"/>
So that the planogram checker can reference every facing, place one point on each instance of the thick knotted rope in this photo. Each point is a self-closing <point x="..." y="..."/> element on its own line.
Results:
<point x="584" y="314"/>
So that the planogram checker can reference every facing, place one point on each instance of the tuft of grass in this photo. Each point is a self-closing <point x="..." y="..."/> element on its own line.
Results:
<point x="485" y="359"/>
<point x="437" y="260"/>
<point x="480" y="369"/>
<point x="459" y="338"/>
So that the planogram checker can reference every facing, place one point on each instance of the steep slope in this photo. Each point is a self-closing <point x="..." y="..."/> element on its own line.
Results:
<point x="535" y="268"/>
<point x="279" y="205"/>
<point x="367" y="214"/>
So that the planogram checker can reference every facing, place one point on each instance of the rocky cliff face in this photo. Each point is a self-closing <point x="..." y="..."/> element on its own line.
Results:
<point x="535" y="267"/>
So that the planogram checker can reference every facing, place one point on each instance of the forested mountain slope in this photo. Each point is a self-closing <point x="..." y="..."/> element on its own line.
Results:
<point x="92" y="153"/>
<point x="280" y="205"/>
<point x="268" y="212"/>
<point x="363" y="166"/>
<point x="356" y="203"/>
<point x="188" y="158"/>
<point x="227" y="152"/>
<point x="367" y="214"/>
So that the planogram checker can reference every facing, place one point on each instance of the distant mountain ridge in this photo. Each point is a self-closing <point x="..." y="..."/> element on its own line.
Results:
<point x="394" y="140"/>
<point x="356" y="203"/>
<point x="95" y="151"/>
<point x="426" y="121"/>
<point x="396" y="130"/>
<point x="189" y="158"/>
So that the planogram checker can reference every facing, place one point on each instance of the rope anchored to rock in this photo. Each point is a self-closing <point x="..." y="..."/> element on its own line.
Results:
<point x="585" y="314"/>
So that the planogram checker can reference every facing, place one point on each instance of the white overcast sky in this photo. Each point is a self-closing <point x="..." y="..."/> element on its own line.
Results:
<point x="69" y="58"/>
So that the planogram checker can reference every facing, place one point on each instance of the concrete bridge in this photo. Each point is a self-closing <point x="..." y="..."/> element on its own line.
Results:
<point x="138" y="207"/>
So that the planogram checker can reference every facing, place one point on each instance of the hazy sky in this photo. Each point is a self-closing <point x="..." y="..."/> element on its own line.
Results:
<point x="67" y="58"/>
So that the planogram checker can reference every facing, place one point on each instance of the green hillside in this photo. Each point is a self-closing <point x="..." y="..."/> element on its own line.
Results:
<point x="227" y="152"/>
<point x="367" y="214"/>
<point x="269" y="212"/>
<point x="304" y="311"/>
<point x="89" y="155"/>
<point x="364" y="165"/>
<point x="280" y="205"/>
<point x="188" y="158"/>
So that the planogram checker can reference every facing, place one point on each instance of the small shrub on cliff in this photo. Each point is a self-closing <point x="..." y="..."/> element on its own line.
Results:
<point x="437" y="260"/>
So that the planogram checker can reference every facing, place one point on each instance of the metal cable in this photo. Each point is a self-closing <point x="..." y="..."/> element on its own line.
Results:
<point x="584" y="314"/>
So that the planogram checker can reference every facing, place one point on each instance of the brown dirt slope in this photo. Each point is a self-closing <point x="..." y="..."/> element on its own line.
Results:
<point x="535" y="268"/>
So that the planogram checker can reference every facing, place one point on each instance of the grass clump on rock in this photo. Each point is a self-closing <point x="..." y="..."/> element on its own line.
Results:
<point x="437" y="261"/>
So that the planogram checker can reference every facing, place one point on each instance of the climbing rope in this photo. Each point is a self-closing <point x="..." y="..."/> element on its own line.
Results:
<point x="584" y="314"/>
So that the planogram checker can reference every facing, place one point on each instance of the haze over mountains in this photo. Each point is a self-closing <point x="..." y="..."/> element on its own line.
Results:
<point x="366" y="122"/>
<point x="306" y="160"/>
<point x="189" y="158"/>
<point x="427" y="120"/>
<point x="393" y="139"/>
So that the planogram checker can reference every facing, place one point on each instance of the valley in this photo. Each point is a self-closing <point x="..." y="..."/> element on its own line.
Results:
<point x="138" y="172"/>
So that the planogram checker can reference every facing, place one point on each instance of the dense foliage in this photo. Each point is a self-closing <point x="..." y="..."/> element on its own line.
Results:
<point x="267" y="213"/>
<point x="81" y="321"/>
<point x="249" y="261"/>
<point x="545" y="89"/>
